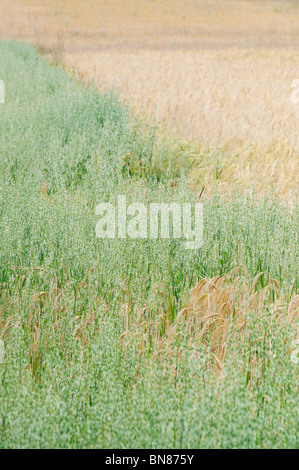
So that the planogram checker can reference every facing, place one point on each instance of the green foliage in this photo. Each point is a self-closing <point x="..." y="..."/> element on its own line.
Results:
<point x="66" y="380"/>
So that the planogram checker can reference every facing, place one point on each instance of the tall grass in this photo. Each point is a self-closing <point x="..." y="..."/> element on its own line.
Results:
<point x="104" y="347"/>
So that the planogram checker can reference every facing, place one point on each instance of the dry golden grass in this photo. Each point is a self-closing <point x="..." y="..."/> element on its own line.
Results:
<point x="219" y="313"/>
<point x="239" y="165"/>
<point x="218" y="72"/>
<point x="208" y="96"/>
<point x="218" y="316"/>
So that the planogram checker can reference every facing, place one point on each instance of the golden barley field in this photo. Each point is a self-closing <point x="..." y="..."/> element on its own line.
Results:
<point x="216" y="72"/>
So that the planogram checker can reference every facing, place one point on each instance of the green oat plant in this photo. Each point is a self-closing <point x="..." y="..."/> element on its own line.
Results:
<point x="127" y="343"/>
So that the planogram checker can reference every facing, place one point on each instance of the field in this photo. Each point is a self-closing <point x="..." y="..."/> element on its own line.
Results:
<point x="122" y="343"/>
<point x="218" y="72"/>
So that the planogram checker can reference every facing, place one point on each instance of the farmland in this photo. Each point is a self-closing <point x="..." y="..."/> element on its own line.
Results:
<point x="217" y="72"/>
<point x="122" y="343"/>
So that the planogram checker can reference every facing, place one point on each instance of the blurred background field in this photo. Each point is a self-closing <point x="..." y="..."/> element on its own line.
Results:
<point x="214" y="72"/>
